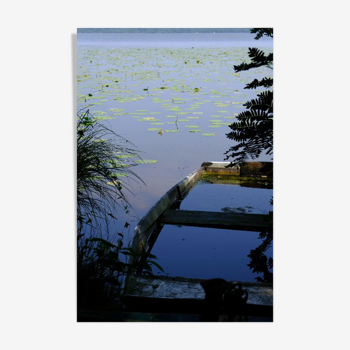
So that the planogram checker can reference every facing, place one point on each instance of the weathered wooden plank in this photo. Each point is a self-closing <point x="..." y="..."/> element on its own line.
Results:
<point x="147" y="224"/>
<point x="163" y="287"/>
<point x="233" y="221"/>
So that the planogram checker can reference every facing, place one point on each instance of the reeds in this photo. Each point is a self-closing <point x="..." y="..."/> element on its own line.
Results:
<point x="104" y="175"/>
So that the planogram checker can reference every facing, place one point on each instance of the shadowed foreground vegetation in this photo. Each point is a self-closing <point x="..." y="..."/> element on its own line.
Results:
<point x="104" y="160"/>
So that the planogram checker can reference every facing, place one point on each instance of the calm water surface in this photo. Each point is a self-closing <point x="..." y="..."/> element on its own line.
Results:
<point x="171" y="95"/>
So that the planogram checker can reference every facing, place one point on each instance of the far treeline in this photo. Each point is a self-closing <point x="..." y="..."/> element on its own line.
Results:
<point x="163" y="30"/>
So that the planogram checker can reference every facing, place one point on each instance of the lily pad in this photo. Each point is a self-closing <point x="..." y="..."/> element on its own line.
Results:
<point x="124" y="156"/>
<point x="103" y="117"/>
<point x="150" y="119"/>
<point x="146" y="161"/>
<point x="209" y="134"/>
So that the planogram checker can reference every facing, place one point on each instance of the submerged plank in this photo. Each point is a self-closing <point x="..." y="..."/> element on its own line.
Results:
<point x="233" y="221"/>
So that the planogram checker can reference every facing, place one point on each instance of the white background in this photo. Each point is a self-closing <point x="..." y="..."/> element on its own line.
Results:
<point x="311" y="196"/>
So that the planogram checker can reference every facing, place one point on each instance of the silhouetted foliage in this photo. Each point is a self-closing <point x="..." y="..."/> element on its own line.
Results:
<point x="254" y="129"/>
<point x="254" y="134"/>
<point x="101" y="268"/>
<point x="258" y="59"/>
<point x="262" y="31"/>
<point x="265" y="82"/>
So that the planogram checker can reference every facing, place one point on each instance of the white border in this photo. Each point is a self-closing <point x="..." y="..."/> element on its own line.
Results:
<point x="311" y="170"/>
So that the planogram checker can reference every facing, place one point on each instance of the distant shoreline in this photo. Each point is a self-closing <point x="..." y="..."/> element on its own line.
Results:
<point x="163" y="30"/>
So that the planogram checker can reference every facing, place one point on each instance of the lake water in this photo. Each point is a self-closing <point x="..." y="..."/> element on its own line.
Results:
<point x="171" y="95"/>
<point x="197" y="252"/>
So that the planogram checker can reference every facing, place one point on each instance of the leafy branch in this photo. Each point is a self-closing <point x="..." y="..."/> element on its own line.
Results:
<point x="254" y="130"/>
<point x="260" y="32"/>
<point x="258" y="59"/>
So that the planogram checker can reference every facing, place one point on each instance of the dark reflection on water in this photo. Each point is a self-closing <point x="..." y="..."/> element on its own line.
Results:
<point x="197" y="252"/>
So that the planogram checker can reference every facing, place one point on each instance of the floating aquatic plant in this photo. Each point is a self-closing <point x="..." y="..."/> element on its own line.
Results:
<point x="146" y="161"/>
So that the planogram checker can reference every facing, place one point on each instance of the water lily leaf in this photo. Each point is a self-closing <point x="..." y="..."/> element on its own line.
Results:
<point x="221" y="104"/>
<point x="103" y="117"/>
<point x="124" y="156"/>
<point x="209" y="134"/>
<point x="117" y="109"/>
<point x="150" y="119"/>
<point x="146" y="161"/>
